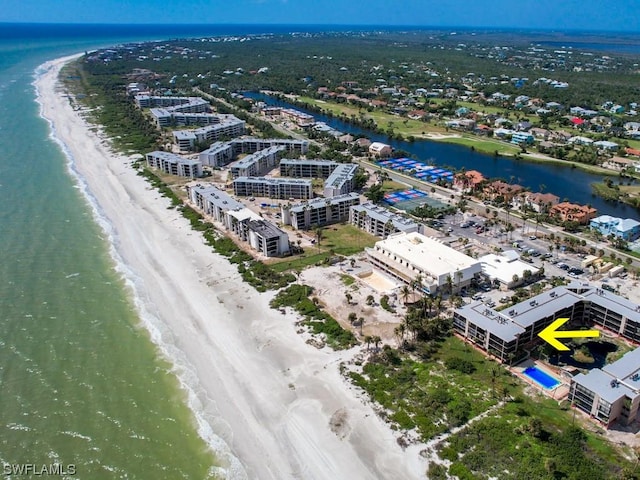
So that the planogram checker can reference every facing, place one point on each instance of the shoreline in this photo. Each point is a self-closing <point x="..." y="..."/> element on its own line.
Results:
<point x="251" y="380"/>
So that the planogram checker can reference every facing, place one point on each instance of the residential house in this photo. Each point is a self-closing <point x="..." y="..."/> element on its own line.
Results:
<point x="380" y="149"/>
<point x="628" y="229"/>
<point x="571" y="212"/>
<point x="468" y="181"/>
<point x="541" y="202"/>
<point x="505" y="191"/>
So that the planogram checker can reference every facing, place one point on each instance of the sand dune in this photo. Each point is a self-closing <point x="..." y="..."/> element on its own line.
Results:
<point x="270" y="396"/>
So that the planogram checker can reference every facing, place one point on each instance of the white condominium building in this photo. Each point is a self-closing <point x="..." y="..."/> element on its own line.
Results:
<point x="174" y="164"/>
<point x="341" y="180"/>
<point x="279" y="188"/>
<point x="380" y="221"/>
<point x="407" y="256"/>
<point x="319" y="211"/>
<point x="258" y="163"/>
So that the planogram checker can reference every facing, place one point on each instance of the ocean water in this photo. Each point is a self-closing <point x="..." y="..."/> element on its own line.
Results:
<point x="81" y="381"/>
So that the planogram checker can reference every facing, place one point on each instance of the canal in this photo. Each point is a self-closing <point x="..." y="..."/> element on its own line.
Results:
<point x="566" y="182"/>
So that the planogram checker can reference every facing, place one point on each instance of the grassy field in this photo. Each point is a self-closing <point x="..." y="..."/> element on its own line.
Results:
<point x="346" y="239"/>
<point x="341" y="239"/>
<point x="483" y="145"/>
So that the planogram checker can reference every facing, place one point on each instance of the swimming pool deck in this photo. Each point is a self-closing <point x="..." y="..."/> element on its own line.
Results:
<point x="558" y="392"/>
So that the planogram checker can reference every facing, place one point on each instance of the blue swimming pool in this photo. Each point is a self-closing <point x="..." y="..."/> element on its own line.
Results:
<point x="541" y="378"/>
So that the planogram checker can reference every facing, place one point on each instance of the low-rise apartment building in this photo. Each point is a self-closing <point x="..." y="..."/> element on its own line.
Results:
<point x="278" y="188"/>
<point x="411" y="256"/>
<point x="319" y="211"/>
<point x="380" y="221"/>
<point x="610" y="394"/>
<point x="245" y="224"/>
<point x="174" y="164"/>
<point x="258" y="163"/>
<point x="307" y="168"/>
<point x="509" y="334"/>
<point x="341" y="180"/>
<point x="221" y="126"/>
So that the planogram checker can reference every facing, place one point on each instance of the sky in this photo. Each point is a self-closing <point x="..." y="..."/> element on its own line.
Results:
<point x="618" y="15"/>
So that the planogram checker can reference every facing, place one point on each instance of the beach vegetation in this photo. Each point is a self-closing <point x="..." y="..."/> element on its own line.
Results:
<point x="319" y="322"/>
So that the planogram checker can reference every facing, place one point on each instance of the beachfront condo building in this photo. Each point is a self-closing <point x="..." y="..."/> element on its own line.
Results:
<point x="307" y="168"/>
<point x="246" y="225"/>
<point x="278" y="188"/>
<point x="610" y="394"/>
<point x="380" y="221"/>
<point x="341" y="180"/>
<point x="174" y="164"/>
<point x="214" y="202"/>
<point x="319" y="211"/>
<point x="510" y="334"/>
<point x="410" y="256"/>
<point x="256" y="164"/>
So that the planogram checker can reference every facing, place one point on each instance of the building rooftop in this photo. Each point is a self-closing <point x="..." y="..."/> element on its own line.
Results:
<point x="428" y="254"/>
<point x="604" y="385"/>
<point x="504" y="267"/>
<point x="302" y="161"/>
<point x="343" y="173"/>
<point x="626" y="368"/>
<point x="254" y="157"/>
<point x="244" y="214"/>
<point x="265" y="228"/>
<point x="217" y="197"/>
<point x="322" y="202"/>
<point x="383" y="215"/>
<point x="275" y="181"/>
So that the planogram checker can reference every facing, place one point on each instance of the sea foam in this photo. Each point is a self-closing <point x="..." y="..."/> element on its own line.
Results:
<point x="158" y="331"/>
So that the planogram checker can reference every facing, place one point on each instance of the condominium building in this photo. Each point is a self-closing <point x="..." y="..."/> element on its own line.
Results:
<point x="213" y="202"/>
<point x="509" y="334"/>
<point x="408" y="256"/>
<point x="319" y="211"/>
<point x="258" y="163"/>
<point x="279" y="188"/>
<point x="380" y="221"/>
<point x="245" y="224"/>
<point x="220" y="126"/>
<point x="188" y="104"/>
<point x="268" y="239"/>
<point x="167" y="118"/>
<point x="303" y="168"/>
<point x="610" y="394"/>
<point x="218" y="154"/>
<point x="341" y="180"/>
<point x="174" y="164"/>
<point x="299" y="118"/>
<point x="252" y="145"/>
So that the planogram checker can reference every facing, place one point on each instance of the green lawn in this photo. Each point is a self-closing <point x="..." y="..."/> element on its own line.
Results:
<point x="483" y="145"/>
<point x="346" y="239"/>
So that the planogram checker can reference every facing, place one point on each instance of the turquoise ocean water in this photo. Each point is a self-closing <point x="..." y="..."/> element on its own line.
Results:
<point x="81" y="382"/>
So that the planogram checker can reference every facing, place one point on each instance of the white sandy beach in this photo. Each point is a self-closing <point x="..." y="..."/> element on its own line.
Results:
<point x="260" y="387"/>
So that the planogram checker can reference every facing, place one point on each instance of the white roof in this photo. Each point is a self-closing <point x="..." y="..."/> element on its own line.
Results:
<point x="504" y="267"/>
<point x="429" y="255"/>
<point x="244" y="214"/>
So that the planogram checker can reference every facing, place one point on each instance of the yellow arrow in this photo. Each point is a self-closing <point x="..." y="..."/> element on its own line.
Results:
<point x="551" y="334"/>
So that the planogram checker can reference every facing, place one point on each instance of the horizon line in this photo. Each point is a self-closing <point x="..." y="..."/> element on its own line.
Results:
<point x="360" y="25"/>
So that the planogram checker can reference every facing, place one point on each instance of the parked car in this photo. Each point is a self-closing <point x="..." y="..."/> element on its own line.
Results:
<point x="533" y="237"/>
<point x="563" y="266"/>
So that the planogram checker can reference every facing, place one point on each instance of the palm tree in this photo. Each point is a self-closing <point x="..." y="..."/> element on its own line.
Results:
<point x="388" y="228"/>
<point x="348" y="296"/>
<point x="352" y="318"/>
<point x="368" y="339"/>
<point x="361" y="324"/>
<point x="404" y="293"/>
<point x="376" y="341"/>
